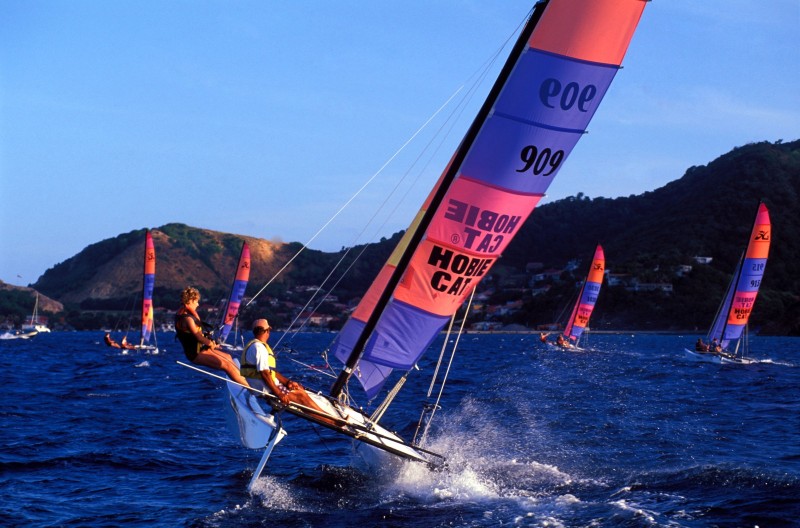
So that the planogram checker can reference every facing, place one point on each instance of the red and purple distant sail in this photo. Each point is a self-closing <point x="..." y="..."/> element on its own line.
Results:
<point x="540" y="106"/>
<point x="147" y="290"/>
<point x="579" y="319"/>
<point x="742" y="292"/>
<point x="237" y="292"/>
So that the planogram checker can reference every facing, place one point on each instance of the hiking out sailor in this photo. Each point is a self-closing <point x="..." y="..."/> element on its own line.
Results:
<point x="199" y="348"/>
<point x="258" y="365"/>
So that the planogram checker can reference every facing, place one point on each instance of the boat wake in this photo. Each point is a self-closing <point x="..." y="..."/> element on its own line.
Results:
<point x="278" y="494"/>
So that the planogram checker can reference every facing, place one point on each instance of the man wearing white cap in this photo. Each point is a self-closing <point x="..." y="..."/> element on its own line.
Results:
<point x="258" y="366"/>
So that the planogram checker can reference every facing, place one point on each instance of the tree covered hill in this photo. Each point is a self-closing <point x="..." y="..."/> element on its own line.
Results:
<point x="708" y="212"/>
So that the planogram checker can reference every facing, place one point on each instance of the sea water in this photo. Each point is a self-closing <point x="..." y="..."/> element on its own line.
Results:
<point x="627" y="433"/>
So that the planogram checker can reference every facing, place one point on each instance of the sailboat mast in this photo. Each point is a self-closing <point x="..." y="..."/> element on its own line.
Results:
<point x="441" y="191"/>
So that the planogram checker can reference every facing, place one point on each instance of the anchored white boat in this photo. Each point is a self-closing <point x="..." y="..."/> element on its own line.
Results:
<point x="34" y="326"/>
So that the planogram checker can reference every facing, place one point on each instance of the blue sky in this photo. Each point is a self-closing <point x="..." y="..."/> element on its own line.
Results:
<point x="263" y="118"/>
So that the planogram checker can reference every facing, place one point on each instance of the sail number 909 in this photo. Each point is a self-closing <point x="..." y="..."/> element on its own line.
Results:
<point x="539" y="162"/>
<point x="551" y="92"/>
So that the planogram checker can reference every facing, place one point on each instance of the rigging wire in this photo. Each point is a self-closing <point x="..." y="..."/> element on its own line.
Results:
<point x="435" y="405"/>
<point x="347" y="203"/>
<point x="444" y="131"/>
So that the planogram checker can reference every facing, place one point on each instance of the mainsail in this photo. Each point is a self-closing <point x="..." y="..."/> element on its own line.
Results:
<point x="148" y="283"/>
<point x="541" y="104"/>
<point x="743" y="289"/>
<point x="588" y="297"/>
<point x="237" y="292"/>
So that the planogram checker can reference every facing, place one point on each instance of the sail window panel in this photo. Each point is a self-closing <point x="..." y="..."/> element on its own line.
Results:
<point x="372" y="377"/>
<point x="733" y="332"/>
<point x="520" y="157"/>
<point x="554" y="91"/>
<point x="480" y="219"/>
<point x="403" y="333"/>
<point x="592" y="30"/>
<point x="346" y="339"/>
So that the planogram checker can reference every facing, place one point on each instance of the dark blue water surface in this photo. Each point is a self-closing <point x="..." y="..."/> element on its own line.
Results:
<point x="627" y="434"/>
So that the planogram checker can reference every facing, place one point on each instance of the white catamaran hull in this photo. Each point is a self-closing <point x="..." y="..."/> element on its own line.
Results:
<point x="9" y="335"/>
<point x="250" y="421"/>
<point x="259" y="429"/>
<point x="711" y="357"/>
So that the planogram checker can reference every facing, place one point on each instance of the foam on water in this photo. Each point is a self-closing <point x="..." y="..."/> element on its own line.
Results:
<point x="276" y="494"/>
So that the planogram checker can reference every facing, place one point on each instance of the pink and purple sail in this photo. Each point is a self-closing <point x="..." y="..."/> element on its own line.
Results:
<point x="579" y="319"/>
<point x="147" y="289"/>
<point x="237" y="292"/>
<point x="555" y="80"/>
<point x="742" y="292"/>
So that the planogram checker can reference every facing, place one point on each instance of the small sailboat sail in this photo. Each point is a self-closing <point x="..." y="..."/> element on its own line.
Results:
<point x="590" y="289"/>
<point x="550" y="87"/>
<point x="734" y="311"/>
<point x="237" y="293"/>
<point x="148" y="283"/>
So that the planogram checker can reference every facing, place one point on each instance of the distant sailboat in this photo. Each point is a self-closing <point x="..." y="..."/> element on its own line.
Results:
<point x="582" y="311"/>
<point x="148" y="283"/>
<point x="541" y="104"/>
<point x="236" y="295"/>
<point x="35" y="325"/>
<point x="730" y="323"/>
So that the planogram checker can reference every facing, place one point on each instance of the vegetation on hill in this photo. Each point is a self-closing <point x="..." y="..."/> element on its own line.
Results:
<point x="708" y="212"/>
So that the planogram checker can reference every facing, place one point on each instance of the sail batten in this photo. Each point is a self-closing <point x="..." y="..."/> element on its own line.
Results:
<point x="536" y="112"/>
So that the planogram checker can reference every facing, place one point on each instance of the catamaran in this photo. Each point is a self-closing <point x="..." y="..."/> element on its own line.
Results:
<point x="587" y="297"/>
<point x="729" y="329"/>
<point x="559" y="70"/>
<point x="148" y="283"/>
